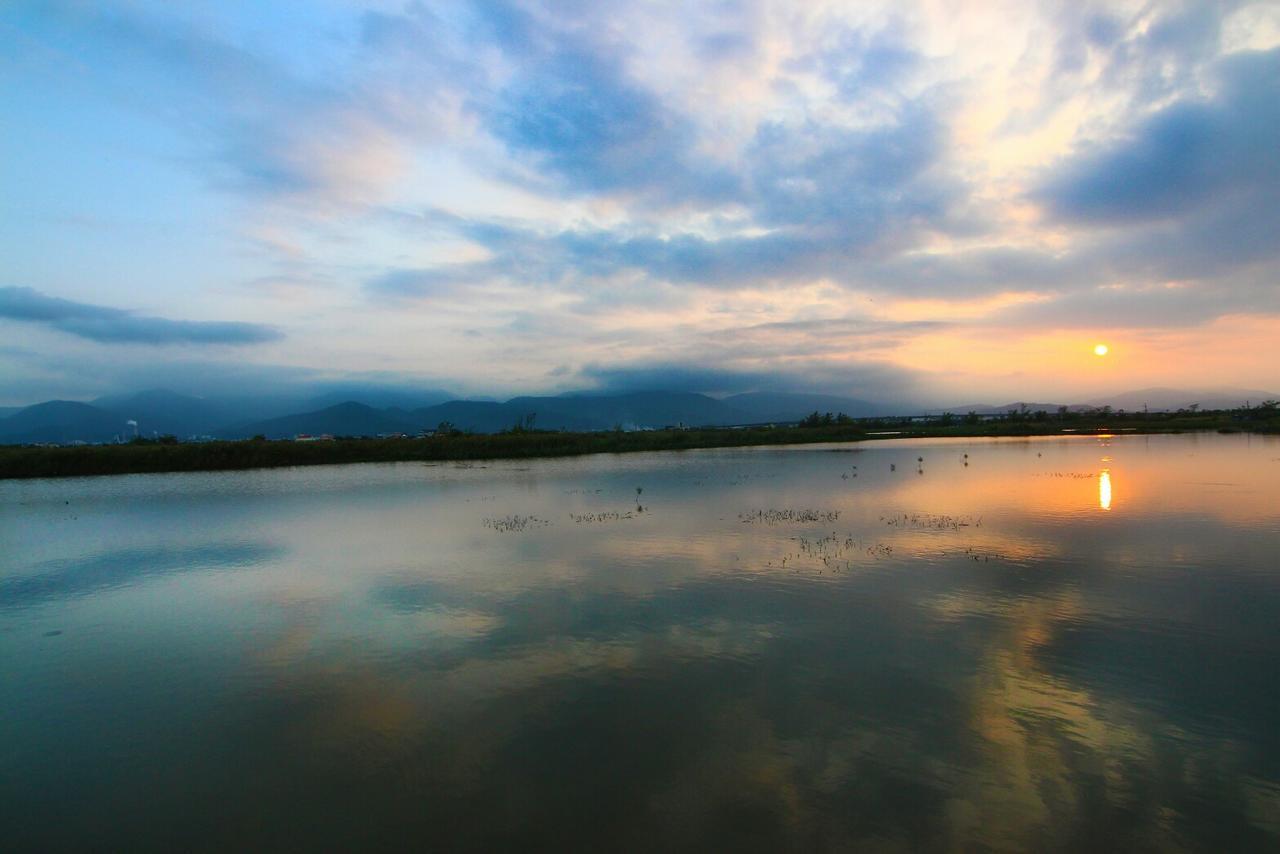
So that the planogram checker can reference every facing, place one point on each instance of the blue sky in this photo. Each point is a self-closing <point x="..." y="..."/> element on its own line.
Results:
<point x="933" y="202"/>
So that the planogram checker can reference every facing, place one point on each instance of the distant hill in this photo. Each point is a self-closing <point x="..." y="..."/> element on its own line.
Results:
<point x="378" y="397"/>
<point x="396" y="410"/>
<point x="1154" y="399"/>
<point x="1173" y="399"/>
<point x="6" y="411"/>
<point x="62" y="421"/>
<point x="477" y="416"/>
<point x="764" y="406"/>
<point x="1029" y="406"/>
<point x="586" y="412"/>
<point x="163" y="412"/>
<point x="345" y="419"/>
<point x="640" y="409"/>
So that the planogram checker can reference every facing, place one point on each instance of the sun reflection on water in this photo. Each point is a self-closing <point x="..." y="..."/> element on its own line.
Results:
<point x="1104" y="489"/>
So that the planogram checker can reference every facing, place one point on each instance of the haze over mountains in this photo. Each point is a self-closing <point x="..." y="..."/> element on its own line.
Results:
<point x="162" y="412"/>
<point x="370" y="412"/>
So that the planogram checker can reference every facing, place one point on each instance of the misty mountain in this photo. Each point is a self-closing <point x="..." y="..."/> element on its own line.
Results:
<point x="345" y="419"/>
<point x="377" y="397"/>
<point x="1154" y="399"/>
<point x="587" y="412"/>
<point x="1016" y="406"/>
<point x="6" y="411"/>
<point x="478" y="416"/>
<point x="637" y="409"/>
<point x="573" y="412"/>
<point x="62" y="421"/>
<point x="764" y="406"/>
<point x="163" y="412"/>
<point x="1172" y="399"/>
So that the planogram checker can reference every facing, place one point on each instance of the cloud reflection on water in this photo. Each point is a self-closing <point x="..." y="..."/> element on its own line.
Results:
<point x="1043" y="680"/>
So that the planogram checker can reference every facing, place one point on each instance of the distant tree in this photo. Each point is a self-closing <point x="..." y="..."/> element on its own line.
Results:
<point x="524" y="424"/>
<point x="166" y="439"/>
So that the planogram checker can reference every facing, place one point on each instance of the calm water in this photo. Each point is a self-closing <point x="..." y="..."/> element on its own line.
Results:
<point x="1064" y="644"/>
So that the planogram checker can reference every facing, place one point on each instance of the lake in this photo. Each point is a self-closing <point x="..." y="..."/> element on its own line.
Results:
<point x="1035" y="644"/>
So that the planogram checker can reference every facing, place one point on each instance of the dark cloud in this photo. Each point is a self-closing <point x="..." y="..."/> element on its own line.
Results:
<point x="1188" y="155"/>
<point x="1185" y="209"/>
<point x="116" y="326"/>
<point x="574" y="114"/>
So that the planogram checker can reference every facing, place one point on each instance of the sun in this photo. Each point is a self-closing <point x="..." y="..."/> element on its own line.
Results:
<point x="1101" y="349"/>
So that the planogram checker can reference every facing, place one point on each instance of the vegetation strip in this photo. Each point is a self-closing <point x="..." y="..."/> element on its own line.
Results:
<point x="170" y="456"/>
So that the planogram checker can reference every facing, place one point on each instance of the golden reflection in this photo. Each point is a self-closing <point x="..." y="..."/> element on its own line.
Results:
<point x="1104" y="489"/>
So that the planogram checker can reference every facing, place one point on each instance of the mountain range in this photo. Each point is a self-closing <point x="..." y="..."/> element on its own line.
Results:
<point x="1150" y="399"/>
<point x="160" y="412"/>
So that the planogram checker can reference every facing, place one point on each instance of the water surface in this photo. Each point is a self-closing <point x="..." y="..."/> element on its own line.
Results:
<point x="1045" y="644"/>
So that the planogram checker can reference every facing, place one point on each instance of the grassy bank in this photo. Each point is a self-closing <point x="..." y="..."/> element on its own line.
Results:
<point x="29" y="462"/>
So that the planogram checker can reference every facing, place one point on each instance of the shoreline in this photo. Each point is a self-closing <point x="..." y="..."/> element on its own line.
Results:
<point x="149" y="457"/>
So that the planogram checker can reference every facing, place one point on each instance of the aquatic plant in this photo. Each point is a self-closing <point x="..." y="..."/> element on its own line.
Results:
<point x="779" y="517"/>
<point x="515" y="523"/>
<point x="931" y="522"/>
<point x="604" y="516"/>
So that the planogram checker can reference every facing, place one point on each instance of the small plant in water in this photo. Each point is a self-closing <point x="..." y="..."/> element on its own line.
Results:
<point x="515" y="523"/>
<point x="779" y="517"/>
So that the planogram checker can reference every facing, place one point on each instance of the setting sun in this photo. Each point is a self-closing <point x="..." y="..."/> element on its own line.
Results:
<point x="1101" y="350"/>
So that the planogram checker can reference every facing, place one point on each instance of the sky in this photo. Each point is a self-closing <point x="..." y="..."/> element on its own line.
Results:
<point x="937" y="202"/>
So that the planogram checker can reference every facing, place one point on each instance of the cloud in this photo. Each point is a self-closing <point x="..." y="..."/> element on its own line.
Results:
<point x="831" y="356"/>
<point x="1181" y="212"/>
<point x="620" y="184"/>
<point x="254" y="125"/>
<point x="875" y="380"/>
<point x="578" y="119"/>
<point x="1144" y="306"/>
<point x="1191" y="154"/>
<point x="116" y="326"/>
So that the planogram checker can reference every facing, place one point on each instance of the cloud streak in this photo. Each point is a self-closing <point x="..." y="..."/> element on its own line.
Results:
<point x="116" y="326"/>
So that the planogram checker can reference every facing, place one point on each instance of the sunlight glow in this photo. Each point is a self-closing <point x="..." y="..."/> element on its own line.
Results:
<point x="1101" y="350"/>
<point x="1104" y="489"/>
